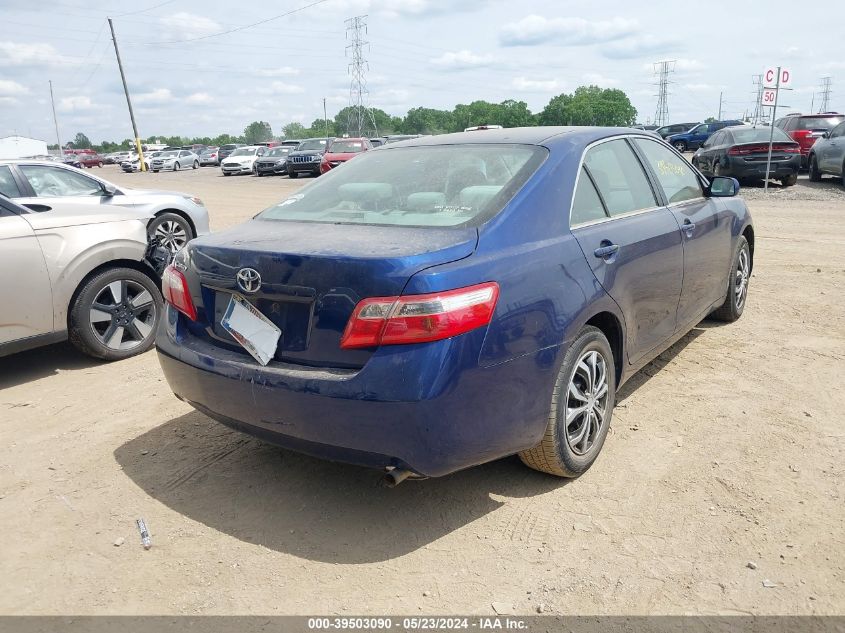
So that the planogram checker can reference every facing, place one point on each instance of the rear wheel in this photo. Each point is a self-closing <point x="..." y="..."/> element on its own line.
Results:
<point x="737" y="292"/>
<point x="681" y="146"/>
<point x="292" y="174"/>
<point x="172" y="230"/>
<point x="815" y="172"/>
<point x="790" y="180"/>
<point x="582" y="405"/>
<point x="176" y="166"/>
<point x="100" y="164"/>
<point x="196" y="164"/>
<point x="115" y="314"/>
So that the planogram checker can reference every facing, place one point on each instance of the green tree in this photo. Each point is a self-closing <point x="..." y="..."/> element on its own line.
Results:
<point x="376" y="122"/>
<point x="225" y="139"/>
<point x="427" y="121"/>
<point x="512" y="113"/>
<point x="710" y="119"/>
<point x="80" y="141"/>
<point x="257" y="132"/>
<point x="590" y="105"/>
<point x="294" y="130"/>
<point x="556" y="111"/>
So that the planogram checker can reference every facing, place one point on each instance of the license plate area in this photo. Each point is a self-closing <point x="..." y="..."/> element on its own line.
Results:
<point x="251" y="329"/>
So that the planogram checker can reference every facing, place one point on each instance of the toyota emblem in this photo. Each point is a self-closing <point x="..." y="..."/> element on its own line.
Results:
<point x="248" y="280"/>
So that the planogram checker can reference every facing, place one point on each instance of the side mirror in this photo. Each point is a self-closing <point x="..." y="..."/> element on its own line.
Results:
<point x="109" y="190"/>
<point x="723" y="187"/>
<point x="826" y="135"/>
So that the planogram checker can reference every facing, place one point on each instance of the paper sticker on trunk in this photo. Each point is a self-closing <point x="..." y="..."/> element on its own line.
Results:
<point x="254" y="331"/>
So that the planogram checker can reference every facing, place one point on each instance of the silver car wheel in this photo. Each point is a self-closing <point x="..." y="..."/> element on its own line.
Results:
<point x="171" y="235"/>
<point x="122" y="315"/>
<point x="586" y="402"/>
<point x="743" y="272"/>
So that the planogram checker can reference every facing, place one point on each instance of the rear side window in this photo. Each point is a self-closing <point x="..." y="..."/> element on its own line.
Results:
<point x="53" y="182"/>
<point x="619" y="177"/>
<point x="437" y="186"/>
<point x="838" y="131"/>
<point x="674" y="174"/>
<point x="586" y="204"/>
<point x="8" y="186"/>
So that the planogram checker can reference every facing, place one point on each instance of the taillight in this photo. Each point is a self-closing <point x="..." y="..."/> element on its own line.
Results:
<point x="743" y="150"/>
<point x="174" y="287"/>
<point x="420" y="318"/>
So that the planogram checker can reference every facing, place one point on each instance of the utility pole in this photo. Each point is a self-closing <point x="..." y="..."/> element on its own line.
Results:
<point x="719" y="118"/>
<point x="356" y="29"/>
<point x="758" y="82"/>
<point x="325" y="118"/>
<point x="56" y="121"/>
<point x="772" y="133"/>
<point x="663" y="70"/>
<point x="141" y="165"/>
<point x="825" y="95"/>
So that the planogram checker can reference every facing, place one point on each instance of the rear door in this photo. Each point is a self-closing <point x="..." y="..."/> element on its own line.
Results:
<point x="832" y="152"/>
<point x="633" y="246"/>
<point x="705" y="229"/>
<point x="27" y="306"/>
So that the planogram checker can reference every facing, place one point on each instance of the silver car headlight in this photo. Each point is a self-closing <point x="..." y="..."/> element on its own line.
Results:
<point x="195" y="200"/>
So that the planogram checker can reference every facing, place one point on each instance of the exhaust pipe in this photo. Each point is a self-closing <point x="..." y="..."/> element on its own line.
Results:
<point x="395" y="477"/>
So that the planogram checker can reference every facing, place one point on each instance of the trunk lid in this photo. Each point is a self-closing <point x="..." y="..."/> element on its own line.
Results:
<point x="312" y="276"/>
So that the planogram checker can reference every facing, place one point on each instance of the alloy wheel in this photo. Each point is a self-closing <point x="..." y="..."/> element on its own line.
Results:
<point x="586" y="402"/>
<point x="171" y="235"/>
<point x="122" y="315"/>
<point x="743" y="272"/>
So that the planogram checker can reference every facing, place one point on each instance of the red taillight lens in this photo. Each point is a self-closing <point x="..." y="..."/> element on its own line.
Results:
<point x="420" y="318"/>
<point x="174" y="287"/>
<point x="743" y="150"/>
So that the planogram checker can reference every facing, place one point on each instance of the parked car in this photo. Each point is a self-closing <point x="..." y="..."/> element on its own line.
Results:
<point x="134" y="163"/>
<point x="225" y="150"/>
<point x="477" y="128"/>
<point x="806" y="129"/>
<point x="90" y="160"/>
<point x="306" y="158"/>
<point x="377" y="142"/>
<point x="341" y="150"/>
<point x="429" y="307"/>
<point x="695" y="137"/>
<point x="42" y="186"/>
<point x="675" y="128"/>
<point x="209" y="157"/>
<point x="827" y="156"/>
<point x="743" y="152"/>
<point x="84" y="274"/>
<point x="396" y="138"/>
<point x="292" y="142"/>
<point x="72" y="160"/>
<point x="242" y="160"/>
<point x="274" y="162"/>
<point x="175" y="160"/>
<point x="645" y="128"/>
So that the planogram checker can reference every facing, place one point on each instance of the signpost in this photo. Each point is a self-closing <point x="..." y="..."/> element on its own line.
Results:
<point x="782" y="78"/>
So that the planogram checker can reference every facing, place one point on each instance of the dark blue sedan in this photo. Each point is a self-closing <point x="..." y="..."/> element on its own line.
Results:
<point x="454" y="299"/>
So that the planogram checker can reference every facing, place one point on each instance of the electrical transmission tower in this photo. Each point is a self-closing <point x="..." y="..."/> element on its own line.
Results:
<point x="825" y="95"/>
<point x="359" y="112"/>
<point x="758" y="91"/>
<point x="663" y="70"/>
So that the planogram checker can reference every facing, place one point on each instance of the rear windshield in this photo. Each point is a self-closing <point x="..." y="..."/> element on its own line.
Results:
<point x="344" y="147"/>
<point x="313" y="144"/>
<point x="819" y="122"/>
<point x="229" y="146"/>
<point x="759" y="135"/>
<point x="445" y="185"/>
<point x="244" y="151"/>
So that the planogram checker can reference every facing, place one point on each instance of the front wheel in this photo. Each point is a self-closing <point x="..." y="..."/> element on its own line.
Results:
<point x="737" y="292"/>
<point x="815" y="173"/>
<point x="176" y="167"/>
<point x="172" y="230"/>
<point x="196" y="164"/>
<point x="581" y="408"/>
<point x="115" y="314"/>
<point x="790" y="180"/>
<point x="292" y="174"/>
<point x="681" y="146"/>
<point x="100" y="164"/>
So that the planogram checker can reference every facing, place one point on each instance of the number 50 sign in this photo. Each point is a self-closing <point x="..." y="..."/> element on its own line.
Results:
<point x="768" y="97"/>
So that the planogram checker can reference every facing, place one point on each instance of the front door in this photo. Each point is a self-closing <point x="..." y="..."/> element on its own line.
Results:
<point x="63" y="188"/>
<point x="631" y="242"/>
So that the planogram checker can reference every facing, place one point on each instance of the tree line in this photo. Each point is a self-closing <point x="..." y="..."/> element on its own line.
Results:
<point x="588" y="105"/>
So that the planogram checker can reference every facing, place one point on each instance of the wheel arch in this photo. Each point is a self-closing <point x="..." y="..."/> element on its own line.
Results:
<point x="748" y="234"/>
<point x="612" y="328"/>
<point x="181" y="214"/>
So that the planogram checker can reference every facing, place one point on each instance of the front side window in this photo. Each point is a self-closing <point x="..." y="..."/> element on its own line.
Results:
<point x="433" y="186"/>
<point x="8" y="186"/>
<point x="619" y="177"/>
<point x="586" y="204"/>
<point x="838" y="131"/>
<point x="53" y="182"/>
<point x="674" y="174"/>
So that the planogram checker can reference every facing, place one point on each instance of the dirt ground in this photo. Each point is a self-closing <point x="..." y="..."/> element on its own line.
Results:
<point x="719" y="490"/>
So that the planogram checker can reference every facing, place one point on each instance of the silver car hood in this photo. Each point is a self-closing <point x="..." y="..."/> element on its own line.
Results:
<point x="58" y="218"/>
<point x="128" y="191"/>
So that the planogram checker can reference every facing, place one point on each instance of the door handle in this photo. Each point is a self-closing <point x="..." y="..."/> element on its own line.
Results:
<point x="38" y="208"/>
<point x="688" y="226"/>
<point x="607" y="250"/>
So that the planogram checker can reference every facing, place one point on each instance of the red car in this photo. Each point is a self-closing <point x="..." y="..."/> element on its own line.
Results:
<point x="806" y="129"/>
<point x="90" y="160"/>
<point x="341" y="150"/>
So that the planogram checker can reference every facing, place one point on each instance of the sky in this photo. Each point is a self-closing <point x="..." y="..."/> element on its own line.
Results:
<point x="204" y="67"/>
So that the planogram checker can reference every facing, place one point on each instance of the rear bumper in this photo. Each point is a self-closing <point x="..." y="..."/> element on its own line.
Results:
<point x="429" y="408"/>
<point x="741" y="168"/>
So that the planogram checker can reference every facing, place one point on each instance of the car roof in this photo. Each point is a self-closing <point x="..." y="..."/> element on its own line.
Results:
<point x="544" y="136"/>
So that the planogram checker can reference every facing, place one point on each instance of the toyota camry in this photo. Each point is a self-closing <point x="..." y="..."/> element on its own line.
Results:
<point x="453" y="299"/>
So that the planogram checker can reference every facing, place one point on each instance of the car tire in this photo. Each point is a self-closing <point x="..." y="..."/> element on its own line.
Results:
<point x="293" y="174"/>
<point x="177" y="166"/>
<point x="789" y="181"/>
<point x="562" y="452"/>
<point x="155" y="171"/>
<point x="172" y="230"/>
<point x="132" y="320"/>
<point x="815" y="173"/>
<point x="842" y="177"/>
<point x="737" y="292"/>
<point x="226" y="173"/>
<point x="681" y="146"/>
<point x="196" y="164"/>
<point x="100" y="164"/>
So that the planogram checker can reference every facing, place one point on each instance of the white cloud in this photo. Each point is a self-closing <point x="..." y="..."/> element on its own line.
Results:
<point x="184" y="25"/>
<point x="282" y="71"/>
<point x="200" y="97"/>
<point x="79" y="103"/>
<point x="638" y="46"/>
<point x="15" y="54"/>
<point x="399" y="8"/>
<point x="536" y="29"/>
<point x="462" y="60"/>
<point x="597" y="79"/>
<point x="523" y="84"/>
<point x="159" y="95"/>
<point x="8" y="100"/>
<point x="280" y="88"/>
<point x="10" y="88"/>
<point x="701" y="87"/>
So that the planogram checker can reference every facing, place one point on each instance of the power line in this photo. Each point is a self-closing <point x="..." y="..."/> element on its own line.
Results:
<point x="156" y="6"/>
<point x="356" y="29"/>
<point x="663" y="70"/>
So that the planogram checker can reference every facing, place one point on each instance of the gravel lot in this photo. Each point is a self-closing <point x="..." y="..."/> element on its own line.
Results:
<point x="720" y="489"/>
